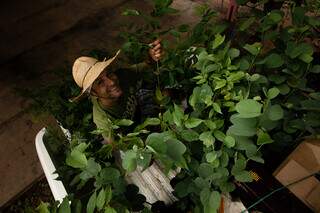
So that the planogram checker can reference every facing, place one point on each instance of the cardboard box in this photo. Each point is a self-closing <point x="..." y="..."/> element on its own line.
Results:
<point x="303" y="161"/>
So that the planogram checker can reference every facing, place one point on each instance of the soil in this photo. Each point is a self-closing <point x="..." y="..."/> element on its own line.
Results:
<point x="29" y="200"/>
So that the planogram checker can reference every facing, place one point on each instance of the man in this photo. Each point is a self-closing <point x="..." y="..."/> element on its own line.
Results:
<point x="115" y="93"/>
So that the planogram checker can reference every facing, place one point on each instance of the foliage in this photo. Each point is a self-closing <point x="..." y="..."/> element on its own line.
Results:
<point x="238" y="93"/>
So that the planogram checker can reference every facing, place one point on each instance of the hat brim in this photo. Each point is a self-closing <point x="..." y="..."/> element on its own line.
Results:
<point x="92" y="75"/>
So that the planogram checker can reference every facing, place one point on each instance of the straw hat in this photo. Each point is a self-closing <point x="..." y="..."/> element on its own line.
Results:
<point x="86" y="70"/>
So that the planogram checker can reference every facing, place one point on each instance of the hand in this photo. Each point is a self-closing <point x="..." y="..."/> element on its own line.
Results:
<point x="155" y="51"/>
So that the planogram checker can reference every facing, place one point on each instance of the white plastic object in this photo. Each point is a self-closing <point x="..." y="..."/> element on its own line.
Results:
<point x="57" y="188"/>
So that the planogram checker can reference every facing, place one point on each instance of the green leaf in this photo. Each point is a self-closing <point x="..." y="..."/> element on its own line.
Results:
<point x="144" y="159"/>
<point x="148" y="122"/>
<point x="43" y="207"/>
<point x="108" y="194"/>
<point x="81" y="147"/>
<point x="65" y="206"/>
<point x="216" y="108"/>
<point x="273" y="92"/>
<point x="211" y="68"/>
<point x="211" y="156"/>
<point x="239" y="166"/>
<point x="129" y="161"/>
<point x="175" y="149"/>
<point x="109" y="210"/>
<point x="219" y="135"/>
<point x="219" y="83"/>
<point x="243" y="176"/>
<point x="207" y="138"/>
<point x="130" y="12"/>
<point x="315" y="69"/>
<point x="263" y="138"/>
<point x="210" y="124"/>
<point x="101" y="199"/>
<point x="272" y="61"/>
<point x="244" y="64"/>
<point x="246" y="23"/>
<point x="123" y="122"/>
<point x="92" y="203"/>
<point x="254" y="49"/>
<point x="275" y="112"/>
<point x="76" y="159"/>
<point x="189" y="135"/>
<point x="218" y="40"/>
<point x="233" y="53"/>
<point x="306" y="58"/>
<point x="193" y="122"/>
<point x="178" y="115"/>
<point x="210" y="200"/>
<point x="205" y="170"/>
<point x="157" y="142"/>
<point x="229" y="141"/>
<point x="248" y="108"/>
<point x="284" y="89"/>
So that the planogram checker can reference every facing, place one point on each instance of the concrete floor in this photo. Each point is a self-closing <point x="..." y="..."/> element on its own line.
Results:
<point x="28" y="65"/>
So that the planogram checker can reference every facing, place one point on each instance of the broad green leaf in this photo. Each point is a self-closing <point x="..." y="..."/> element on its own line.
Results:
<point x="210" y="200"/>
<point x="108" y="175"/>
<point x="310" y="104"/>
<point x="206" y="94"/>
<point x="178" y="115"/>
<point x="243" y="176"/>
<point x="101" y="199"/>
<point x="108" y="194"/>
<point x="81" y="147"/>
<point x="193" y="122"/>
<point x="189" y="135"/>
<point x="205" y="170"/>
<point x="211" y="68"/>
<point x="144" y="159"/>
<point x="227" y="187"/>
<point x="76" y="159"/>
<point x="65" y="206"/>
<point x="246" y="23"/>
<point x="263" y="138"/>
<point x="254" y="49"/>
<point x="294" y="50"/>
<point x="93" y="167"/>
<point x="219" y="135"/>
<point x="248" y="108"/>
<point x="219" y="84"/>
<point x="254" y="77"/>
<point x="92" y="203"/>
<point x="211" y="156"/>
<point x="236" y="76"/>
<point x="241" y="130"/>
<point x="275" y="112"/>
<point x="244" y="64"/>
<point x="315" y="69"/>
<point x="157" y="142"/>
<point x="284" y="89"/>
<point x="239" y="166"/>
<point x="175" y="149"/>
<point x="129" y="161"/>
<point x="210" y="124"/>
<point x="216" y="108"/>
<point x="273" y="61"/>
<point x="123" y="122"/>
<point x="233" y="53"/>
<point x="218" y="40"/>
<point x="109" y="209"/>
<point x="43" y="207"/>
<point x="229" y="141"/>
<point x="224" y="159"/>
<point x="306" y="58"/>
<point x="273" y="92"/>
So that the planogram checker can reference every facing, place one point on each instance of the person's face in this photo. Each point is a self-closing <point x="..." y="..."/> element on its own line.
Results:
<point x="107" y="86"/>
